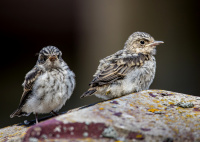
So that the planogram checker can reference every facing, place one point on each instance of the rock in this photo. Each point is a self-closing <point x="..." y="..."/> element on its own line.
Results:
<point x="151" y="115"/>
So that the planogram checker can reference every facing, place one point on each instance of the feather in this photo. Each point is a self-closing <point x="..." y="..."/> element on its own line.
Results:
<point x="118" y="69"/>
<point x="28" y="84"/>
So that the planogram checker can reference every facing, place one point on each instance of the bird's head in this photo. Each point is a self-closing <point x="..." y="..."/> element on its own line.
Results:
<point x="141" y="42"/>
<point x="50" y="57"/>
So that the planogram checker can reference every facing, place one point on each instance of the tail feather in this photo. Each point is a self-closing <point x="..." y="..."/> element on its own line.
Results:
<point x="19" y="113"/>
<point x="88" y="93"/>
<point x="15" y="113"/>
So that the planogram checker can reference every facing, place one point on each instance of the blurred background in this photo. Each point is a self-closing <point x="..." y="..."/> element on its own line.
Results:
<point x="87" y="31"/>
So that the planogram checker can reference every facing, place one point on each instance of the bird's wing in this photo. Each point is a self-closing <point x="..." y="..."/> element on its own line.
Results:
<point x="118" y="69"/>
<point x="30" y="78"/>
<point x="106" y="61"/>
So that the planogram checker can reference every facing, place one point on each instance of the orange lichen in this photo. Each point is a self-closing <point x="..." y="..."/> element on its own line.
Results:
<point x="101" y="108"/>
<point x="151" y="106"/>
<point x="139" y="136"/>
<point x="189" y="115"/>
<point x="156" y="101"/>
<point x="131" y="104"/>
<point x="160" y="105"/>
<point x="171" y="103"/>
<point x="110" y="120"/>
<point x="153" y="110"/>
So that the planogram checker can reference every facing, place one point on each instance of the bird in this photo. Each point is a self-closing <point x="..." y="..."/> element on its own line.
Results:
<point x="47" y="86"/>
<point x="129" y="70"/>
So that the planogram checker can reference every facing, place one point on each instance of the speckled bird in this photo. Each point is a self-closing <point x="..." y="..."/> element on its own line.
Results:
<point x="47" y="86"/>
<point x="129" y="70"/>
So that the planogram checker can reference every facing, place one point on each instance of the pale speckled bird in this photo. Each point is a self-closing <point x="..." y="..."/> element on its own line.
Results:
<point x="129" y="70"/>
<point x="47" y="86"/>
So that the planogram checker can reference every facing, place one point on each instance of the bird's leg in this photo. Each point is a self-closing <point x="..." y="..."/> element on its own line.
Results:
<point x="36" y="118"/>
<point x="54" y="113"/>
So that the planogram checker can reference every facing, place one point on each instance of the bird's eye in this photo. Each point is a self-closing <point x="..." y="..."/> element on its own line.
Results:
<point x="43" y="58"/>
<point x="59" y="56"/>
<point x="142" y="42"/>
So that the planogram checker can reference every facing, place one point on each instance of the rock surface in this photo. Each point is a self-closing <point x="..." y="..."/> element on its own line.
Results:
<point x="152" y="115"/>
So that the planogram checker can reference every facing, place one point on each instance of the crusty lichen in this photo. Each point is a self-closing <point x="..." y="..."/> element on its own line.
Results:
<point x="151" y="115"/>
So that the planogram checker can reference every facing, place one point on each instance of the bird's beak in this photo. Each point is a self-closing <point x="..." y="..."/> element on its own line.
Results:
<point x="155" y="43"/>
<point x="53" y="58"/>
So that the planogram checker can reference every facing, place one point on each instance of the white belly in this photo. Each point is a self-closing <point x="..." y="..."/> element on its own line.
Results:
<point x="50" y="92"/>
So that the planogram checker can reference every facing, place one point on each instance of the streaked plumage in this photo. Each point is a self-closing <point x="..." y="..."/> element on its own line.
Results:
<point x="47" y="86"/>
<point x="129" y="70"/>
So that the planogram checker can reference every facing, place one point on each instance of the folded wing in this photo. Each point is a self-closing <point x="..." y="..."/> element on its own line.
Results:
<point x="118" y="69"/>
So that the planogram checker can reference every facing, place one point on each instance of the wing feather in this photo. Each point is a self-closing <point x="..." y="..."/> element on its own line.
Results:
<point x="30" y="78"/>
<point x="28" y="84"/>
<point x="118" y="69"/>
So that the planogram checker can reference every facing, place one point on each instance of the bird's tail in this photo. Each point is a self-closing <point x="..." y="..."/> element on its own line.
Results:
<point x="89" y="93"/>
<point x="19" y="113"/>
<point x="16" y="113"/>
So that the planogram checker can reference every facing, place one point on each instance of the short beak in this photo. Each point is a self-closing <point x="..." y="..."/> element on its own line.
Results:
<point x="155" y="43"/>
<point x="53" y="58"/>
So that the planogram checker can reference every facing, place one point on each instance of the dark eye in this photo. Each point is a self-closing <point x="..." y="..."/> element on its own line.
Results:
<point x="59" y="56"/>
<point x="142" y="42"/>
<point x="43" y="58"/>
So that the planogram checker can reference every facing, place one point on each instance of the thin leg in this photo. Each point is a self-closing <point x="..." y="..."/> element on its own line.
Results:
<point x="36" y="118"/>
<point x="54" y="113"/>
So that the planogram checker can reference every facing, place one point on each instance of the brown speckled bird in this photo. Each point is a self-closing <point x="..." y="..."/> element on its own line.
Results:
<point x="47" y="86"/>
<point x="129" y="70"/>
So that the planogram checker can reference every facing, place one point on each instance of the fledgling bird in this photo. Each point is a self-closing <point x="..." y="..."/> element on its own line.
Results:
<point x="47" y="86"/>
<point x="129" y="70"/>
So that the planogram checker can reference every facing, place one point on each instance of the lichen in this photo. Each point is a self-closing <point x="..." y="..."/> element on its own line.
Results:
<point x="185" y="104"/>
<point x="161" y="116"/>
<point x="110" y="132"/>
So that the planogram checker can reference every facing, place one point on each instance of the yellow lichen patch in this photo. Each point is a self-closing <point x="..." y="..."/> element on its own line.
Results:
<point x="101" y="108"/>
<point x="171" y="103"/>
<point x="166" y="115"/>
<point x="153" y="110"/>
<point x="182" y="117"/>
<point x="139" y="136"/>
<point x="110" y="120"/>
<point x="151" y="106"/>
<point x="167" y="121"/>
<point x="22" y="135"/>
<point x="118" y="141"/>
<point x="11" y="135"/>
<point x="176" y="130"/>
<point x="196" y="114"/>
<point x="156" y="101"/>
<point x="159" y="105"/>
<point x="189" y="115"/>
<point x="131" y="104"/>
